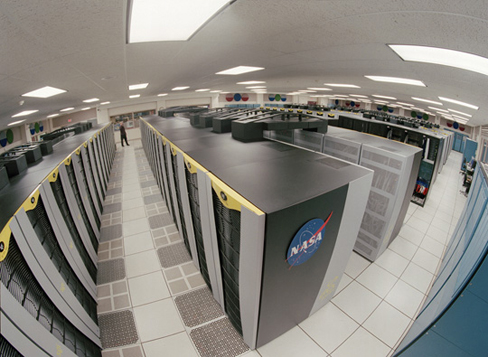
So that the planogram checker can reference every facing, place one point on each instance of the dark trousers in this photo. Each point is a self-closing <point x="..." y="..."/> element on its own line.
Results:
<point x="122" y="138"/>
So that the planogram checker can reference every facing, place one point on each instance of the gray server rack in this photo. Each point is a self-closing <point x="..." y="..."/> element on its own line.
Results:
<point x="395" y="166"/>
<point x="48" y="254"/>
<point x="238" y="232"/>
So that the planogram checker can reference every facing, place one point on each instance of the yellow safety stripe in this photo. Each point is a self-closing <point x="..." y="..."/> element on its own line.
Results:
<point x="31" y="202"/>
<point x="5" y="240"/>
<point x="67" y="161"/>
<point x="53" y="176"/>
<point x="174" y="149"/>
<point x="192" y="165"/>
<point x="230" y="198"/>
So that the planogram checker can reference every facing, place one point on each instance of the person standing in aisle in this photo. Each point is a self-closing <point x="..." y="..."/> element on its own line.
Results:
<point x="123" y="135"/>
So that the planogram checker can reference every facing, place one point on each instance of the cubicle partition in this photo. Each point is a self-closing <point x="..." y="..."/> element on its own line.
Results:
<point x="454" y="317"/>
<point x="253" y="216"/>
<point x="48" y="249"/>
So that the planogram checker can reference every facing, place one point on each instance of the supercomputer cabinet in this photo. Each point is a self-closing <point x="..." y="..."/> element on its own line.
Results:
<point x="270" y="226"/>
<point x="395" y="167"/>
<point x="341" y="148"/>
<point x="48" y="246"/>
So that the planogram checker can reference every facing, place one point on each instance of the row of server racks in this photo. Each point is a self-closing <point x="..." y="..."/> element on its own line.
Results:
<point x="48" y="267"/>
<point x="208" y="183"/>
<point x="395" y="167"/>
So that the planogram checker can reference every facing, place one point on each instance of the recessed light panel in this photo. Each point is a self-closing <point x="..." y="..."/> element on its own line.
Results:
<point x="458" y="112"/>
<point x="24" y="113"/>
<point x="202" y="90"/>
<point x="406" y="104"/>
<point x="426" y="101"/>
<point x="86" y="108"/>
<point x="438" y="109"/>
<point x="459" y="102"/>
<point x="16" y="122"/>
<point x="138" y="86"/>
<point x="66" y="109"/>
<point x="134" y="96"/>
<point x="162" y="94"/>
<point x="256" y="87"/>
<point x="339" y="85"/>
<point x="52" y="115"/>
<point x="91" y="100"/>
<point x="240" y="70"/>
<point x="442" y="56"/>
<point x="358" y="95"/>
<point x="44" y="92"/>
<point x="215" y="91"/>
<point x="180" y="88"/>
<point x="104" y="103"/>
<point x="318" y="88"/>
<point x="412" y="82"/>
<point x="182" y="18"/>
<point x="251" y="82"/>
<point x="383" y="96"/>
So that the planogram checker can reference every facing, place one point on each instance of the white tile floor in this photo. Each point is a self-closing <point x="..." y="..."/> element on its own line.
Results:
<point x="370" y="313"/>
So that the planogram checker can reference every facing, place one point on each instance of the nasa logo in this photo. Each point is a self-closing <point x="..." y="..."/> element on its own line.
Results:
<point x="306" y="242"/>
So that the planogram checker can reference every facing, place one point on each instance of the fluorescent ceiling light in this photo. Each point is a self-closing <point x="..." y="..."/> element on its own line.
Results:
<point x="138" y="86"/>
<point x="240" y="70"/>
<point x="383" y="96"/>
<point x="52" y="115"/>
<point x="162" y="94"/>
<point x="306" y="91"/>
<point x="380" y="101"/>
<point x="134" y="96"/>
<point x="86" y="108"/>
<point x="292" y="93"/>
<point x="317" y="88"/>
<point x="459" y="102"/>
<point x="460" y="119"/>
<point x="181" y="19"/>
<point x="458" y="112"/>
<point x="412" y="82"/>
<point x="91" y="100"/>
<point x="415" y="108"/>
<point x="439" y="109"/>
<point x="215" y="91"/>
<point x="442" y="56"/>
<point x="66" y="109"/>
<point x="44" y="92"/>
<point x="24" y="113"/>
<point x="104" y="103"/>
<point x="407" y="104"/>
<point x="180" y="88"/>
<point x="340" y="95"/>
<point x="255" y="87"/>
<point x="426" y="101"/>
<point x="202" y="90"/>
<point x="342" y="85"/>
<point x="251" y="82"/>
<point x="16" y="122"/>
<point x="358" y="95"/>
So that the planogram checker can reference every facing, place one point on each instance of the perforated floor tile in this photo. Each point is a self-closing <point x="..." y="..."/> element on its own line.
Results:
<point x="114" y="191"/>
<point x="117" y="329"/>
<point x="110" y="270"/>
<point x="172" y="255"/>
<point x="218" y="339"/>
<point x="148" y="183"/>
<point x="153" y="198"/>
<point x="198" y="307"/>
<point x="114" y="207"/>
<point x="110" y="232"/>
<point x="159" y="220"/>
<point x="145" y="172"/>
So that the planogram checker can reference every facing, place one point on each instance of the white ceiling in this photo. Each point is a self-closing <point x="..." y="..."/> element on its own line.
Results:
<point x="80" y="46"/>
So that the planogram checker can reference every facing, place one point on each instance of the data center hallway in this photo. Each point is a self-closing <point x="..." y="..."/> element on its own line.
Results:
<point x="152" y="301"/>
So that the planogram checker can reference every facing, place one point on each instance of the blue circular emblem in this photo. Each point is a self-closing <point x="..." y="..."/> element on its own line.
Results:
<point x="306" y="242"/>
